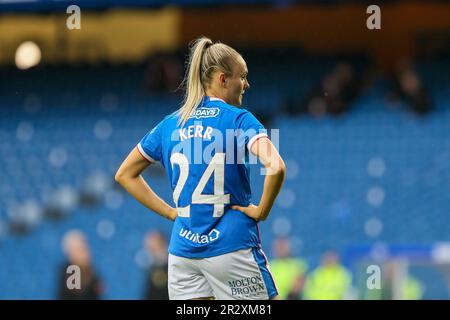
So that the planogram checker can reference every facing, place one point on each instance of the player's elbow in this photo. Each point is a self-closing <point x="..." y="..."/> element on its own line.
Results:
<point x="119" y="177"/>
<point x="278" y="168"/>
<point x="282" y="168"/>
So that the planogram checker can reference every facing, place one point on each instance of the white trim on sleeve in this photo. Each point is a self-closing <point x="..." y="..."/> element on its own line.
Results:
<point x="144" y="154"/>
<point x="252" y="140"/>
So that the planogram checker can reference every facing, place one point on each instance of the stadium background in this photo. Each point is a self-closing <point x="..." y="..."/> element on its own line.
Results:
<point x="368" y="171"/>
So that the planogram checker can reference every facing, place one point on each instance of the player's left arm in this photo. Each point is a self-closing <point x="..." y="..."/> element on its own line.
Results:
<point x="130" y="178"/>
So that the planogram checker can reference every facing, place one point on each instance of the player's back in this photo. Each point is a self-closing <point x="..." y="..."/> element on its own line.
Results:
<point x="206" y="161"/>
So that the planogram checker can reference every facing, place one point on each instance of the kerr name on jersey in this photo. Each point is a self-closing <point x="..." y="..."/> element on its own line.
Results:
<point x="195" y="131"/>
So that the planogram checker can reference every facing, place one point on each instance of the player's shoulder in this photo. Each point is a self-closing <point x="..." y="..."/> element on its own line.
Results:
<point x="170" y="119"/>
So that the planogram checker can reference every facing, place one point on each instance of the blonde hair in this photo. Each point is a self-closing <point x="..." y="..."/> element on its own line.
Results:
<point x="205" y="58"/>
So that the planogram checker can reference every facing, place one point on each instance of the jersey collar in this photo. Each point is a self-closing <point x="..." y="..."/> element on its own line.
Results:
<point x="214" y="99"/>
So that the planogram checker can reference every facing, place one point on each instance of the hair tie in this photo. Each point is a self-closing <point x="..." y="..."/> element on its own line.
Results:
<point x="208" y="44"/>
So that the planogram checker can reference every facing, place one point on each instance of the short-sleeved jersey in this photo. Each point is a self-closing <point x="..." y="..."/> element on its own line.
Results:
<point x="207" y="162"/>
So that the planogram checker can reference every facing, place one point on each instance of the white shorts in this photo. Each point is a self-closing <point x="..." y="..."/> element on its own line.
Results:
<point x="238" y="275"/>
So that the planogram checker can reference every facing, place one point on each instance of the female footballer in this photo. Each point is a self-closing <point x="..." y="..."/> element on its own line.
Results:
<point x="205" y="147"/>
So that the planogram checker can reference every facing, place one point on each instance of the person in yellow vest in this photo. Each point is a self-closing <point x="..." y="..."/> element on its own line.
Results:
<point x="410" y="288"/>
<point x="287" y="271"/>
<point x="329" y="281"/>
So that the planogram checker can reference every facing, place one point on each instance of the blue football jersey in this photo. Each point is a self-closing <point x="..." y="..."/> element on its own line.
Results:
<point x="207" y="162"/>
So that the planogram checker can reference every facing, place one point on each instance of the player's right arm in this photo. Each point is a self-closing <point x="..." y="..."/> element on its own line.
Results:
<point x="130" y="178"/>
<point x="275" y="174"/>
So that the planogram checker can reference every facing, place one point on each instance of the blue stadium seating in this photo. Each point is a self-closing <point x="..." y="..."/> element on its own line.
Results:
<point x="326" y="198"/>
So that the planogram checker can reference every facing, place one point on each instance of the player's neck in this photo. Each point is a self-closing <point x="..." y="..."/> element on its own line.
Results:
<point x="213" y="94"/>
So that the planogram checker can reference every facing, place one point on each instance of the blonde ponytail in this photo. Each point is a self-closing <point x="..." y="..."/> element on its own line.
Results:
<point x="193" y="80"/>
<point x="205" y="58"/>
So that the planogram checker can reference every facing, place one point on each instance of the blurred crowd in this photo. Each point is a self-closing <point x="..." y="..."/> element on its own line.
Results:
<point x="332" y="95"/>
<point x="337" y="89"/>
<point x="295" y="279"/>
<point x="407" y="86"/>
<point x="90" y="284"/>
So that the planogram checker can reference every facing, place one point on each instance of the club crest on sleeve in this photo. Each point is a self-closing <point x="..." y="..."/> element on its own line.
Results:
<point x="205" y="113"/>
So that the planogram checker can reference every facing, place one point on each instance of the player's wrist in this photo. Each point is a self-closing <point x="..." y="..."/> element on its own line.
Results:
<point x="171" y="213"/>
<point x="262" y="214"/>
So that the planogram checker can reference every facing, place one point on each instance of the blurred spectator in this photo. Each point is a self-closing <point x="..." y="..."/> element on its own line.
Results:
<point x="408" y="87"/>
<point x="396" y="285"/>
<point x="156" y="286"/>
<point x="164" y="73"/>
<point x="339" y="88"/>
<point x="287" y="271"/>
<point x="332" y="95"/>
<point x="329" y="281"/>
<point x="412" y="289"/>
<point x="77" y="251"/>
